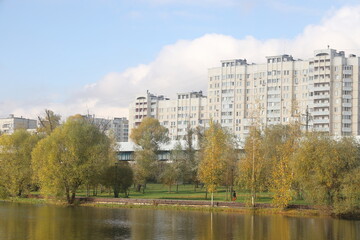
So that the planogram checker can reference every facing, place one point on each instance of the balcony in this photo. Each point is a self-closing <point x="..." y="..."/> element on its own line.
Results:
<point x="347" y="105"/>
<point x="345" y="129"/>
<point x="347" y="80"/>
<point x="346" y="113"/>
<point x="349" y="72"/>
<point x="321" y="104"/>
<point x="320" y="88"/>
<point x="346" y="121"/>
<point x="321" y="121"/>
<point x="321" y="129"/>
<point x="320" y="113"/>
<point x="322" y="96"/>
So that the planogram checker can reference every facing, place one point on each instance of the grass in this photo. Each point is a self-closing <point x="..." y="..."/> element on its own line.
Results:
<point x="186" y="192"/>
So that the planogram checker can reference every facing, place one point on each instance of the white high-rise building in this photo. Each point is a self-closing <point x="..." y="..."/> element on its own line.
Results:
<point x="322" y="92"/>
<point x="188" y="110"/>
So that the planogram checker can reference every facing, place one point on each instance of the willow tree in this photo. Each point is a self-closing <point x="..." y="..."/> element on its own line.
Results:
<point x="15" y="162"/>
<point x="74" y="153"/>
<point x="325" y="168"/>
<point x="149" y="135"/>
<point x="215" y="146"/>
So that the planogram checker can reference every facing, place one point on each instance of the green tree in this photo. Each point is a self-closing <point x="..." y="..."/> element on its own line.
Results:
<point x="15" y="162"/>
<point x="70" y="156"/>
<point x="322" y="165"/>
<point x="119" y="177"/>
<point x="48" y="122"/>
<point x="149" y="135"/>
<point x="212" y="166"/>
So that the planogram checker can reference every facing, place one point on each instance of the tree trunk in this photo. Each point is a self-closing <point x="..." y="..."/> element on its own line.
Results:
<point x="212" y="199"/>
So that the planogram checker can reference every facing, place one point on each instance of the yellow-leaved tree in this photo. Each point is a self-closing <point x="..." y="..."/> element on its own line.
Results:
<point x="215" y="146"/>
<point x="71" y="155"/>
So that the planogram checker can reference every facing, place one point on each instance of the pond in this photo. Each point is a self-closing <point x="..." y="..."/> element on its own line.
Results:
<point x="44" y="222"/>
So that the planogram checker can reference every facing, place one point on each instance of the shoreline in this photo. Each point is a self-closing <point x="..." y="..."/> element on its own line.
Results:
<point x="186" y="205"/>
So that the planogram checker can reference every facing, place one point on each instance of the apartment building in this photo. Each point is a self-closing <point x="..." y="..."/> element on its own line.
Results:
<point x="10" y="124"/>
<point x="144" y="106"/>
<point x="321" y="92"/>
<point x="117" y="127"/>
<point x="188" y="110"/>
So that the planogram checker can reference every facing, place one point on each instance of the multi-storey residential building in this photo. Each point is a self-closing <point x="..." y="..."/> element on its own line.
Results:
<point x="188" y="110"/>
<point x="10" y="124"/>
<point x="144" y="106"/>
<point x="117" y="127"/>
<point x="321" y="92"/>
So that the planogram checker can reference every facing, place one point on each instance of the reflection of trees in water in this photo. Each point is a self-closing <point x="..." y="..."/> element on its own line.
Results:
<point x="23" y="221"/>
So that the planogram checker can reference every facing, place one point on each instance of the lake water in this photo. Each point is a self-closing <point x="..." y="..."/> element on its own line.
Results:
<point x="47" y="222"/>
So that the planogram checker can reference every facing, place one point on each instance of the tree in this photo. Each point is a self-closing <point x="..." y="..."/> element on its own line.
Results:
<point x="213" y="158"/>
<point x="119" y="177"/>
<point x="49" y="122"/>
<point x="323" y="165"/>
<point x="282" y="144"/>
<point x="70" y="157"/>
<point x="252" y="167"/>
<point x="149" y="135"/>
<point x="15" y="162"/>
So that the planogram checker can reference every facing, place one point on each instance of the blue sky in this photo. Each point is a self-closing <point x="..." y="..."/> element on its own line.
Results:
<point x="77" y="56"/>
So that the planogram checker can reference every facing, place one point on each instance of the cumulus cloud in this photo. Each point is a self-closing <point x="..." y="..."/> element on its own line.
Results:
<point x="182" y="66"/>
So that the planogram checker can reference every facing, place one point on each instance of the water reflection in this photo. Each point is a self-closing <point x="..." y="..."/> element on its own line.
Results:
<point x="38" y="222"/>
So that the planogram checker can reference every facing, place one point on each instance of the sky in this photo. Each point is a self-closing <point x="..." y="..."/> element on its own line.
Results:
<point x="96" y="56"/>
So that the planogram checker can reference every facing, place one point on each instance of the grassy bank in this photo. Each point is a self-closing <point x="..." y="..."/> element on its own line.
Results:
<point x="187" y="192"/>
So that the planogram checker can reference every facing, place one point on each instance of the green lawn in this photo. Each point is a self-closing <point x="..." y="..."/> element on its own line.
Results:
<point x="186" y="192"/>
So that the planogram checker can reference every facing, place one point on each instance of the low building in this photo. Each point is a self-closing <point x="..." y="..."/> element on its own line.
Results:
<point x="10" y="124"/>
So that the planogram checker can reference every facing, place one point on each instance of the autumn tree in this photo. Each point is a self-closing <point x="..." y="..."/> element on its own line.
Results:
<point x="118" y="177"/>
<point x="70" y="156"/>
<point x="212" y="165"/>
<point x="48" y="122"/>
<point x="149" y="135"/>
<point x="252" y="166"/>
<point x="282" y="176"/>
<point x="15" y="162"/>
<point x="325" y="166"/>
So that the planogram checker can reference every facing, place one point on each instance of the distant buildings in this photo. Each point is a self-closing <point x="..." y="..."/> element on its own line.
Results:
<point x="188" y="110"/>
<point x="117" y="127"/>
<point x="321" y="92"/>
<point x="10" y="124"/>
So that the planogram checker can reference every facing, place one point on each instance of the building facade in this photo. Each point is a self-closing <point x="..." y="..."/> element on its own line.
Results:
<point x="188" y="110"/>
<point x="10" y="124"/>
<point x="321" y="92"/>
<point x="117" y="127"/>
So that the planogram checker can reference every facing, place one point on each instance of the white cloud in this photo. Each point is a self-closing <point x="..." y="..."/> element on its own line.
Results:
<point x="182" y="66"/>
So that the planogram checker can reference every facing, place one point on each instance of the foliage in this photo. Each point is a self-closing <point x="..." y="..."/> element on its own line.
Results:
<point x="149" y="135"/>
<point x="282" y="173"/>
<point x="119" y="177"/>
<point x="73" y="154"/>
<point x="15" y="162"/>
<point x="253" y="174"/>
<point x="49" y="122"/>
<point x="216" y="144"/>
<point x="325" y="167"/>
